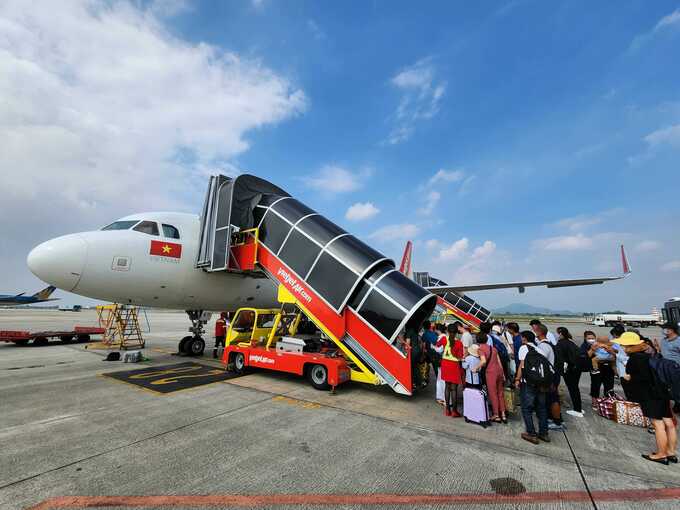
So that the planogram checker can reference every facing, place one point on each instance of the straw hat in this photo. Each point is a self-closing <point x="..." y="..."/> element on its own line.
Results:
<point x="474" y="350"/>
<point x="628" y="338"/>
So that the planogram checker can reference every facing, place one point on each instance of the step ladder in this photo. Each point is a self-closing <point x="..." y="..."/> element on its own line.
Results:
<point x="121" y="326"/>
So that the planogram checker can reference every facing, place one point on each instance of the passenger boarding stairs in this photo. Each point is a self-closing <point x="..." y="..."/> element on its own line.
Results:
<point x="462" y="307"/>
<point x="351" y="292"/>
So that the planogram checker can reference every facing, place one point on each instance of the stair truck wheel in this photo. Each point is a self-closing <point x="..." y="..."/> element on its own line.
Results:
<point x="239" y="363"/>
<point x="182" y="347"/>
<point x="66" y="339"/>
<point x="318" y="376"/>
<point x="196" y="346"/>
<point x="39" y="341"/>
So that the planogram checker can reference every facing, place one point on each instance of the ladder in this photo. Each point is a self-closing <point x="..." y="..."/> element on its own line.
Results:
<point x="121" y="326"/>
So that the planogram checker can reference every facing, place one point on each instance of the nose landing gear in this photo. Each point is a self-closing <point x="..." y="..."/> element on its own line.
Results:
<point x="195" y="345"/>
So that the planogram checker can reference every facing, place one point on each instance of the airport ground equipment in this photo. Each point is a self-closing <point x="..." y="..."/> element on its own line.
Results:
<point x="269" y="339"/>
<point x="634" y="321"/>
<point x="38" y="338"/>
<point x="671" y="310"/>
<point x="352" y="293"/>
<point x="121" y="326"/>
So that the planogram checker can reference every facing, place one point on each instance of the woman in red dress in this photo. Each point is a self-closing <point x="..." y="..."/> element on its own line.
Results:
<point x="452" y="373"/>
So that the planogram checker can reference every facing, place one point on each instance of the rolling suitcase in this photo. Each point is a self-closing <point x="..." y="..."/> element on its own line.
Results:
<point x="476" y="407"/>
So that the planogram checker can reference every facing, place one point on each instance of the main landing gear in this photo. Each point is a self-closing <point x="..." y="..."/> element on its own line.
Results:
<point x="194" y="345"/>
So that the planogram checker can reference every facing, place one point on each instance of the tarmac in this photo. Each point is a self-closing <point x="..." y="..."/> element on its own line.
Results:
<point x="70" y="438"/>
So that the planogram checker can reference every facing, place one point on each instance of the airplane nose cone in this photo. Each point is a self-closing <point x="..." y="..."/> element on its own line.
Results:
<point x="59" y="261"/>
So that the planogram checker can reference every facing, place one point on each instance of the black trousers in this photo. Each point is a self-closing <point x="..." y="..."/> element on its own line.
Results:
<point x="571" y="379"/>
<point x="604" y="379"/>
<point x="625" y="385"/>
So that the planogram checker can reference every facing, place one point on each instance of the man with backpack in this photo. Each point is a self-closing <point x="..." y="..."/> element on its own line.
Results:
<point x="534" y="376"/>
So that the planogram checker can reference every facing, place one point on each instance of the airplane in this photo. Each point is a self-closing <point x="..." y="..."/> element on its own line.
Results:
<point x="151" y="259"/>
<point x="20" y="299"/>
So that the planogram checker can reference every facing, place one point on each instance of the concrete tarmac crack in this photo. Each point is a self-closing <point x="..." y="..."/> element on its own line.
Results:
<point x="133" y="443"/>
<point x="580" y="471"/>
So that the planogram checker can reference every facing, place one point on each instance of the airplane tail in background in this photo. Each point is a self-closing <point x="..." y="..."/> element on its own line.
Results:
<point x="624" y="262"/>
<point x="45" y="293"/>
<point x="405" y="267"/>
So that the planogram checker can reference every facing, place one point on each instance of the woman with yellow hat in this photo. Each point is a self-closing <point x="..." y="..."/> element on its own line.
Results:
<point x="653" y="398"/>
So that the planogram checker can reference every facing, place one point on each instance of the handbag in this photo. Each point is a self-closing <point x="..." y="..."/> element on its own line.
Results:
<point x="511" y="400"/>
<point x="630" y="413"/>
<point x="606" y="406"/>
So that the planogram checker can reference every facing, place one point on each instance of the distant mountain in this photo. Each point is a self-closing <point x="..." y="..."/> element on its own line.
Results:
<point x="524" y="309"/>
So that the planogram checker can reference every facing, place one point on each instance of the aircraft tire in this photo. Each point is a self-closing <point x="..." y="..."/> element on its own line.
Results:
<point x="21" y="343"/>
<point x="318" y="377"/>
<point x="195" y="346"/>
<point x="83" y="338"/>
<point x="183" y="345"/>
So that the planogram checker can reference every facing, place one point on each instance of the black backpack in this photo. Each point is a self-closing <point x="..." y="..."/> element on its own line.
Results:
<point x="537" y="369"/>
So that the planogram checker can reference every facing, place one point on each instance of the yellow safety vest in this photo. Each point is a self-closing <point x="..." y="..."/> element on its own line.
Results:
<point x="448" y="355"/>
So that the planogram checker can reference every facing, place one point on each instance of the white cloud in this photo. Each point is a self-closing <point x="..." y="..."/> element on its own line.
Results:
<point x="579" y="223"/>
<point x="446" y="176"/>
<point x="431" y="201"/>
<point x="396" y="232"/>
<point x="669" y="135"/>
<point x="421" y="95"/>
<point x="101" y="98"/>
<point x="361" y="211"/>
<point x="485" y="250"/>
<point x="316" y="30"/>
<point x="673" y="265"/>
<point x="433" y="244"/>
<point x="568" y="243"/>
<point x="336" y="179"/>
<point x="648" y="246"/>
<point x="672" y="19"/>
<point x="467" y="185"/>
<point x="454" y="251"/>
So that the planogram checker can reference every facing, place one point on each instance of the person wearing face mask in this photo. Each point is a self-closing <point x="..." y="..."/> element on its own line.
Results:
<point x="669" y="347"/>
<point x="604" y="376"/>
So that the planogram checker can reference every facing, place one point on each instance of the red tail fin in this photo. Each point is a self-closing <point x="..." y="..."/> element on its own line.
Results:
<point x="624" y="261"/>
<point x="405" y="267"/>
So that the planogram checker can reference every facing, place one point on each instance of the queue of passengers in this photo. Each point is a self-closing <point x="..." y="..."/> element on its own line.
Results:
<point x="536" y="361"/>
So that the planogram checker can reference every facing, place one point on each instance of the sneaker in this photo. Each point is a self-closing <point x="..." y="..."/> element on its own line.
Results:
<point x="555" y="426"/>
<point x="545" y="438"/>
<point x="594" y="372"/>
<point x="571" y="412"/>
<point x="529" y="437"/>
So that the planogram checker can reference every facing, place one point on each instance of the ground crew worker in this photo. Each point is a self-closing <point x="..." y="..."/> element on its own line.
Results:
<point x="220" y="332"/>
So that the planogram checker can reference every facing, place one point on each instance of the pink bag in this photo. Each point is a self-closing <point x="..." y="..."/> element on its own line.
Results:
<point x="606" y="406"/>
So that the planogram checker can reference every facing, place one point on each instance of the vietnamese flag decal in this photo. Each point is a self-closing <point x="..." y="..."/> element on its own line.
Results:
<point x="164" y="249"/>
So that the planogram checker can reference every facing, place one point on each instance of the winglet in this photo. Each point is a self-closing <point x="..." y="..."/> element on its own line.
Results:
<point x="405" y="267"/>
<point x="624" y="262"/>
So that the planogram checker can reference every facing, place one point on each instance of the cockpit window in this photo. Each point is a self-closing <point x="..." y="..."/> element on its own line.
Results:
<point x="147" y="227"/>
<point x="170" y="232"/>
<point x="121" y="225"/>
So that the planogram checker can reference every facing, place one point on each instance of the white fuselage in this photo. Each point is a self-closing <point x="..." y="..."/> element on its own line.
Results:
<point x="119" y="266"/>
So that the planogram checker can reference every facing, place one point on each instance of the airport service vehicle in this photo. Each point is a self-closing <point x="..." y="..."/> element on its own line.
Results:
<point x="74" y="308"/>
<point x="20" y="299"/>
<point x="634" y="321"/>
<point x="671" y="310"/>
<point x="269" y="339"/>
<point x="198" y="264"/>
<point x="38" y="338"/>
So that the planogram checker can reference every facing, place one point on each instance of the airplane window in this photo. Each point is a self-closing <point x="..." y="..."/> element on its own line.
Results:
<point x="147" y="227"/>
<point x="170" y="231"/>
<point x="121" y="225"/>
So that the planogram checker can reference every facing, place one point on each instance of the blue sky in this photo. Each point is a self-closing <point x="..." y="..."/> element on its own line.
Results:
<point x="510" y="140"/>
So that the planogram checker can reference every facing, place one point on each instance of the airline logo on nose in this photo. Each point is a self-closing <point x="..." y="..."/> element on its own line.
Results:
<point x="164" y="249"/>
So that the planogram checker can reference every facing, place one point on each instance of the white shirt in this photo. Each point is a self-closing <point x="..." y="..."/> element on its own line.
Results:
<point x="467" y="339"/>
<point x="551" y="338"/>
<point x="542" y="348"/>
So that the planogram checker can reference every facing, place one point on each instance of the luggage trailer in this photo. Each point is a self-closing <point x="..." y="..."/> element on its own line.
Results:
<point x="39" y="338"/>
